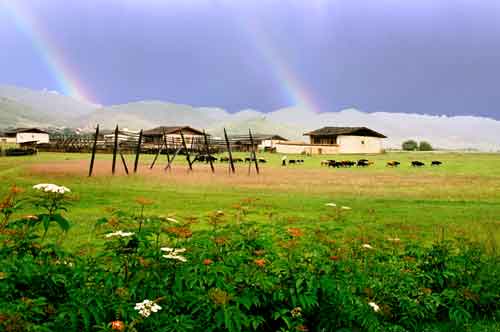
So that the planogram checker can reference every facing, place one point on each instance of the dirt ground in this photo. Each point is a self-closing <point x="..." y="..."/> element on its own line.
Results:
<point x="296" y="178"/>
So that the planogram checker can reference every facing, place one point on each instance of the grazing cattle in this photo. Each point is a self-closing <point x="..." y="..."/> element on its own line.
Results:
<point x="393" y="163"/>
<point x="262" y="160"/>
<point x="224" y="159"/>
<point x="292" y="161"/>
<point x="417" y="164"/>
<point x="363" y="163"/>
<point x="238" y="160"/>
<point x="436" y="163"/>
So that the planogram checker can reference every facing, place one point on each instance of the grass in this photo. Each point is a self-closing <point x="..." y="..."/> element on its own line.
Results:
<point x="459" y="199"/>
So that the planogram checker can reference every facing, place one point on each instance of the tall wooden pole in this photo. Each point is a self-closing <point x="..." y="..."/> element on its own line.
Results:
<point x="124" y="162"/>
<point x="165" y="142"/>
<point x="138" y="152"/>
<point x="115" y="150"/>
<point x="188" y="158"/>
<point x="231" y="163"/>
<point x="207" y="151"/>
<point x="254" y="155"/>
<point x="94" y="149"/>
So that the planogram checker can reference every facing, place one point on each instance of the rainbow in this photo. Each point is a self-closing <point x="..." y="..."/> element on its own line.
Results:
<point x="294" y="90"/>
<point x="53" y="57"/>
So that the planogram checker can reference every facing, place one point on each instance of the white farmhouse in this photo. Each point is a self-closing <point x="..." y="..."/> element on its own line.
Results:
<point x="336" y="140"/>
<point x="28" y="135"/>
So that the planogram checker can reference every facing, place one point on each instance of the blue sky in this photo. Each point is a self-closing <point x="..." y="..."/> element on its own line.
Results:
<point x="416" y="56"/>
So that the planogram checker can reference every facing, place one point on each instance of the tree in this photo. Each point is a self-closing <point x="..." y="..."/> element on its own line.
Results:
<point x="410" y="145"/>
<point x="425" y="146"/>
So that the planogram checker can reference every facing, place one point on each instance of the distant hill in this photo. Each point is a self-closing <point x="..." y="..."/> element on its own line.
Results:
<point x="23" y="107"/>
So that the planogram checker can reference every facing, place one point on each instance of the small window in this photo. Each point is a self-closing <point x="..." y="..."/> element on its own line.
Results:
<point x="363" y="142"/>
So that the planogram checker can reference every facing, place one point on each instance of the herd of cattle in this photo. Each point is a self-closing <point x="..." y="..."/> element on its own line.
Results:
<point x="366" y="163"/>
<point x="328" y="162"/>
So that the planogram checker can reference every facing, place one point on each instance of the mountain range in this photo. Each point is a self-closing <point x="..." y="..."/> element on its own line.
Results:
<point x="20" y="107"/>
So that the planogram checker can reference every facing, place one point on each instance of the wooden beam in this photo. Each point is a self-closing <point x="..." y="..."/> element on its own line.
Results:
<point x="228" y="145"/>
<point x="165" y="141"/>
<point x="138" y="152"/>
<point x="94" y="149"/>
<point x="115" y="150"/>
<point x="207" y="151"/>
<point x="253" y="151"/>
<point x="188" y="158"/>
<point x="124" y="162"/>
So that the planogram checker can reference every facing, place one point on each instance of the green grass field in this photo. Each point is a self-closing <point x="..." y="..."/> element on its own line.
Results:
<point x="459" y="199"/>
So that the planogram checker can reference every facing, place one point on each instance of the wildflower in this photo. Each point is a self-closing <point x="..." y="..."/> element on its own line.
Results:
<point x="146" y="307"/>
<point x="296" y="312"/>
<point x="367" y="246"/>
<point x="375" y="306"/>
<point x="207" y="261"/>
<point x="16" y="190"/>
<point x="182" y="232"/>
<point x="345" y="208"/>
<point x="302" y="328"/>
<point x="260" y="252"/>
<point x="119" y="233"/>
<point x="172" y="220"/>
<point x="174" y="254"/>
<point x="51" y="188"/>
<point x="334" y="258"/>
<point x="219" y="213"/>
<point x="220" y="240"/>
<point x="331" y="204"/>
<point x="260" y="262"/>
<point x="393" y="239"/>
<point x="144" y="201"/>
<point x="295" y="232"/>
<point x="117" y="325"/>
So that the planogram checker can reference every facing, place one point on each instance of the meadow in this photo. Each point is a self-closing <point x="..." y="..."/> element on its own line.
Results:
<point x="442" y="217"/>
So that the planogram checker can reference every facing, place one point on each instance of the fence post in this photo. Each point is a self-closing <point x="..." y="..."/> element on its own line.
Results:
<point x="165" y="142"/>
<point x="254" y="155"/>
<point x="138" y="152"/>
<point x="231" y="163"/>
<point x="115" y="150"/>
<point x="207" y="148"/>
<point x="94" y="149"/>
<point x="187" y="152"/>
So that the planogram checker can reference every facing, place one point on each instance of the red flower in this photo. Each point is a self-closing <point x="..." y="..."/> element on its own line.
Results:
<point x="260" y="262"/>
<point x="117" y="325"/>
<point x="207" y="261"/>
<point x="334" y="258"/>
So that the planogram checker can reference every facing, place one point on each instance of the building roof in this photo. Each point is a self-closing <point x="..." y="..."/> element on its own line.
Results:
<point x="347" y="131"/>
<point x="158" y="131"/>
<point x="26" y="130"/>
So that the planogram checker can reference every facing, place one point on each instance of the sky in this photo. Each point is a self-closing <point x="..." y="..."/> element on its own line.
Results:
<point x="413" y="56"/>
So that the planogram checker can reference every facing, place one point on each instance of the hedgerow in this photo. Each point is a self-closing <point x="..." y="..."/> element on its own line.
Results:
<point x="152" y="273"/>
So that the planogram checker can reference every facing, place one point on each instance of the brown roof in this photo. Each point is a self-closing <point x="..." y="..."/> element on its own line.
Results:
<point x="348" y="131"/>
<point x="158" y="131"/>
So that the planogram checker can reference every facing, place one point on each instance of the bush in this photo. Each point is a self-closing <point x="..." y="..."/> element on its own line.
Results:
<point x="425" y="146"/>
<point x="410" y="145"/>
<point x="156" y="274"/>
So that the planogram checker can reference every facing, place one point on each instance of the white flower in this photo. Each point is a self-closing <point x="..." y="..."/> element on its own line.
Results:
<point x="395" y="239"/>
<point x="375" y="306"/>
<point x="172" y="220"/>
<point x="146" y="307"/>
<point x="331" y="204"/>
<point x="119" y="233"/>
<point x="51" y="188"/>
<point x="367" y="246"/>
<point x="345" y="208"/>
<point x="174" y="254"/>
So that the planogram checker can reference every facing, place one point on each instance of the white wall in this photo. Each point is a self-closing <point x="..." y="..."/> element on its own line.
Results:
<point x="359" y="144"/>
<point x="30" y="137"/>
<point x="8" y="140"/>
<point x="294" y="148"/>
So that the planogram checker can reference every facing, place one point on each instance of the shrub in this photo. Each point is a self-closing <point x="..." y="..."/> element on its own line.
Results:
<point x="410" y="145"/>
<point x="425" y="146"/>
<point x="156" y="274"/>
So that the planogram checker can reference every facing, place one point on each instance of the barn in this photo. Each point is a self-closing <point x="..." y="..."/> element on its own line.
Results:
<point x="335" y="140"/>
<point x="26" y="135"/>
<point x="173" y="134"/>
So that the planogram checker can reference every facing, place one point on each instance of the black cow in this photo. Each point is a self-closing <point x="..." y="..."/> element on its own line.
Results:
<point x="363" y="163"/>
<point x="436" y="163"/>
<point x="417" y="164"/>
<point x="262" y="160"/>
